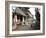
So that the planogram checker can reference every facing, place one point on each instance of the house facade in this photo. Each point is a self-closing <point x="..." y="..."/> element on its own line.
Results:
<point x="21" y="16"/>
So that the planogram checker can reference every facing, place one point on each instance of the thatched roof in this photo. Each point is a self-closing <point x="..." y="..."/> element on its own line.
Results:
<point x="19" y="11"/>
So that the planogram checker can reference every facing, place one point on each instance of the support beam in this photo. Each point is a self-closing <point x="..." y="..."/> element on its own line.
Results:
<point x="23" y="19"/>
<point x="15" y="18"/>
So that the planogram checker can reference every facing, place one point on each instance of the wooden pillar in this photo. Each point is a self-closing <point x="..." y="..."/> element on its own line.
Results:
<point x="23" y="19"/>
<point x="26" y="23"/>
<point x="15" y="22"/>
<point x="15" y="18"/>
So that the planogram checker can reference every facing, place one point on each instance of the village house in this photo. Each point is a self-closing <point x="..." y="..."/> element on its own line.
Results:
<point x="21" y="16"/>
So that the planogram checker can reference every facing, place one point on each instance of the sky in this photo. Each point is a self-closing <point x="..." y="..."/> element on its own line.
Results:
<point x="32" y="10"/>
